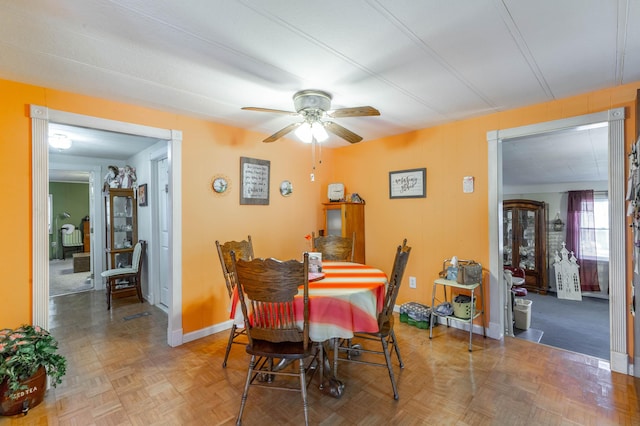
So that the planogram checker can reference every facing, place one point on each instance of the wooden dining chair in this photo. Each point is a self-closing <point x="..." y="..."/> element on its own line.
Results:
<point x="385" y="334"/>
<point x="334" y="247"/>
<point x="122" y="282"/>
<point x="267" y="288"/>
<point x="244" y="251"/>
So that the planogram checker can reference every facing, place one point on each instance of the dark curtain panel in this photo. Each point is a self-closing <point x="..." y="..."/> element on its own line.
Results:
<point x="581" y="237"/>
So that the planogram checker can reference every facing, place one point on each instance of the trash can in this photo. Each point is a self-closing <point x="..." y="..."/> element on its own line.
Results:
<point x="522" y="313"/>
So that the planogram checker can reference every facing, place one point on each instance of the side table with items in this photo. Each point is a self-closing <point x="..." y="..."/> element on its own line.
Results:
<point x="462" y="311"/>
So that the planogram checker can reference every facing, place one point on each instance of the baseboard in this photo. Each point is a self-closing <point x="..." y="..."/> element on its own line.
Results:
<point x="494" y="331"/>
<point x="207" y="331"/>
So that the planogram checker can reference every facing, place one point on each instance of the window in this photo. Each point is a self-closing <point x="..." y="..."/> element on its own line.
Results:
<point x="598" y="249"/>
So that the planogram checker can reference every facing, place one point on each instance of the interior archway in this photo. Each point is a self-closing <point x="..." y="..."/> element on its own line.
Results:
<point x="617" y="269"/>
<point x="40" y="118"/>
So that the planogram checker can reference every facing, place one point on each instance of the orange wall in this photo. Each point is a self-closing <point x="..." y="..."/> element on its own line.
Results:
<point x="448" y="222"/>
<point x="208" y="149"/>
<point x="445" y="223"/>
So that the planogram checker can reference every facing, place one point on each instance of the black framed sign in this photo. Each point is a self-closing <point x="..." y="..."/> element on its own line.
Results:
<point x="410" y="183"/>
<point x="254" y="181"/>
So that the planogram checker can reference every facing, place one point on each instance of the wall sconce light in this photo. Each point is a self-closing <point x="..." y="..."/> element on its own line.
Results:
<point x="558" y="224"/>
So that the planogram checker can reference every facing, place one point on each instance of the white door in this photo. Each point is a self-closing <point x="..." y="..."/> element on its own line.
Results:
<point x="163" y="229"/>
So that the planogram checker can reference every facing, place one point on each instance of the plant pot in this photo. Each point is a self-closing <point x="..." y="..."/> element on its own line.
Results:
<point x="23" y="400"/>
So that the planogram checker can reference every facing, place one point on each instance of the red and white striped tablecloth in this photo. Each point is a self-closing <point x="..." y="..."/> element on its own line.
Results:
<point x="347" y="300"/>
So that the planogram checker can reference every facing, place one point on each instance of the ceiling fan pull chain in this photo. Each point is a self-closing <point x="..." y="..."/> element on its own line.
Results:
<point x="313" y="158"/>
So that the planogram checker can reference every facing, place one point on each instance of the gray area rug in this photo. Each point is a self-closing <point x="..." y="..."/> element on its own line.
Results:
<point x="62" y="279"/>
<point x="578" y="326"/>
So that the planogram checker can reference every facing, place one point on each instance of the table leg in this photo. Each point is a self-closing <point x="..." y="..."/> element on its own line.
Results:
<point x="329" y="383"/>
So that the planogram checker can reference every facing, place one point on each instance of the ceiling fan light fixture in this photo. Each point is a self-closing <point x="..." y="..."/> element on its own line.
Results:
<point x="60" y="141"/>
<point x="307" y="132"/>
<point x="312" y="99"/>
<point x="314" y="107"/>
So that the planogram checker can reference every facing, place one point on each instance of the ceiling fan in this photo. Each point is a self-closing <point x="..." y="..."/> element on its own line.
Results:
<point x="314" y="106"/>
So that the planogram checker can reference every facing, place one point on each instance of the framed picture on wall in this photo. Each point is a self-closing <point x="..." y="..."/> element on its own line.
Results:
<point x="411" y="183"/>
<point x="254" y="181"/>
<point x="142" y="195"/>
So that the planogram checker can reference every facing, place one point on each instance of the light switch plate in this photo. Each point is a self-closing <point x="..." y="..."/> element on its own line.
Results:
<point x="467" y="184"/>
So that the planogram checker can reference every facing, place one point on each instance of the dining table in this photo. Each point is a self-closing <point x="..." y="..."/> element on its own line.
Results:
<point x="344" y="298"/>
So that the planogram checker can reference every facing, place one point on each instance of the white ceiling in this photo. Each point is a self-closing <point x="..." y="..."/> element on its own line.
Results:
<point x="421" y="63"/>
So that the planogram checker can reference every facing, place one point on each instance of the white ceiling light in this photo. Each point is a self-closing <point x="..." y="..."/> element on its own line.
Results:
<point x="60" y="141"/>
<point x="307" y="131"/>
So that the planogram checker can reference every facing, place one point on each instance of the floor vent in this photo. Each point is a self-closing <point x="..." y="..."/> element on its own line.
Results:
<point x="140" y="315"/>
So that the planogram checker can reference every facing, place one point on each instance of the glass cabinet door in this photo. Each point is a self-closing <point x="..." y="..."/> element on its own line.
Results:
<point x="122" y="222"/>
<point x="527" y="221"/>
<point x="508" y="237"/>
<point x="525" y="240"/>
<point x="121" y="227"/>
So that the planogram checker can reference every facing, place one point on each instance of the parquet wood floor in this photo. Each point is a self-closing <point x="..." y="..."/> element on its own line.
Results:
<point x="121" y="372"/>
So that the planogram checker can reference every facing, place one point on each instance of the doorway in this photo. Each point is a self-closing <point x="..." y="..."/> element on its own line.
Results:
<point x="617" y="271"/>
<point x="40" y="118"/>
<point x="70" y="267"/>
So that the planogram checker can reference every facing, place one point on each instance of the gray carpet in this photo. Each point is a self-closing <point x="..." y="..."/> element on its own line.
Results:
<point x="62" y="279"/>
<point x="578" y="326"/>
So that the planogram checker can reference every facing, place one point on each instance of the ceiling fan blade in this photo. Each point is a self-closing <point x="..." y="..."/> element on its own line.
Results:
<point x="277" y="135"/>
<point x="345" y="134"/>
<point x="361" y="111"/>
<point x="277" y="111"/>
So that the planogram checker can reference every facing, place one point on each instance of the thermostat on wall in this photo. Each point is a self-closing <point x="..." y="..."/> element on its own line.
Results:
<point x="336" y="191"/>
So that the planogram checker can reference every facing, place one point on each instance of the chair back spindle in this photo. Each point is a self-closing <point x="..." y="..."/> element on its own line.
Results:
<point x="269" y="287"/>
<point x="334" y="247"/>
<point x="243" y="250"/>
<point x="395" y="280"/>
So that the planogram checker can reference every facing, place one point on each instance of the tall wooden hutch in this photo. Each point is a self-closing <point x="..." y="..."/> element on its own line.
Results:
<point x="343" y="219"/>
<point x="525" y="241"/>
<point x="121" y="226"/>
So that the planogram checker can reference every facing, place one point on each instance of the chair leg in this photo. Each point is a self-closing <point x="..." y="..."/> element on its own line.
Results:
<point x="396" y="348"/>
<point x="229" y="343"/>
<point x="252" y="365"/>
<point x="139" y="291"/>
<point x="387" y="356"/>
<point x="303" y="389"/>
<point x="108" y="294"/>
<point x="336" y="350"/>
<point x="320" y="362"/>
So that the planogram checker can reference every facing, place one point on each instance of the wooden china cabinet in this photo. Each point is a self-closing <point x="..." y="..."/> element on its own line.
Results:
<point x="344" y="219"/>
<point x="121" y="226"/>
<point x="525" y="241"/>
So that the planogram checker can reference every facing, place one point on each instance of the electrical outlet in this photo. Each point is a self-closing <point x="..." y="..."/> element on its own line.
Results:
<point x="412" y="282"/>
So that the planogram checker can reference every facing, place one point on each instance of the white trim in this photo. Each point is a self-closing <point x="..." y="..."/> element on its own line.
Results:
<point x="208" y="331"/>
<point x="175" y="332"/>
<point x="617" y="271"/>
<point x="40" y="234"/>
<point x="40" y="118"/>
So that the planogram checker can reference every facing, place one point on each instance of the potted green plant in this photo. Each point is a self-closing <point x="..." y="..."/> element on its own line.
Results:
<point x="27" y="355"/>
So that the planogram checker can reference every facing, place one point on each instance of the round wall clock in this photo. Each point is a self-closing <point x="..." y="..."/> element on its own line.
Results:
<point x="286" y="188"/>
<point x="220" y="184"/>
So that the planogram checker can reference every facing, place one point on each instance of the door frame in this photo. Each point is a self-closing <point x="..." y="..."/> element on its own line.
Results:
<point x="619" y="359"/>
<point x="155" y="272"/>
<point x="40" y="118"/>
<point x="95" y="239"/>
